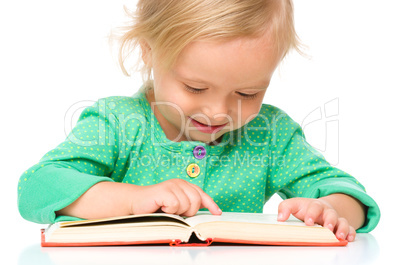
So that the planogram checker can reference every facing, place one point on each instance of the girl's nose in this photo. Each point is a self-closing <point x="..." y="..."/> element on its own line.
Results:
<point x="217" y="111"/>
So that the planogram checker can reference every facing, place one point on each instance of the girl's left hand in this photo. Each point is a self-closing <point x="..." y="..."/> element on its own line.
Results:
<point x="318" y="211"/>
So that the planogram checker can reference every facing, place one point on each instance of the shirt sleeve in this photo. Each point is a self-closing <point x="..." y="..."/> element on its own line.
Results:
<point x="305" y="172"/>
<point x="86" y="157"/>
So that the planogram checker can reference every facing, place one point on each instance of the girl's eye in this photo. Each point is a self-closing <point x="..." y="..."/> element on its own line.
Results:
<point x="247" y="96"/>
<point x="194" y="90"/>
<point x="200" y="90"/>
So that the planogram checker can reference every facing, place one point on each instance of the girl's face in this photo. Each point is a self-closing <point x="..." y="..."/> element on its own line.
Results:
<point x="214" y="87"/>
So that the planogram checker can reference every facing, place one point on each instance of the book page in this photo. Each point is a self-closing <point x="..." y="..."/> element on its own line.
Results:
<point x="127" y="219"/>
<point x="204" y="217"/>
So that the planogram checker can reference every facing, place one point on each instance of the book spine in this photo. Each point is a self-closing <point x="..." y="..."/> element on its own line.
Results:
<point x="179" y="243"/>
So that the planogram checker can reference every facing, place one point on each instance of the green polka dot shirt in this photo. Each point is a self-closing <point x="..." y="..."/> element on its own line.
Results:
<point x="119" y="139"/>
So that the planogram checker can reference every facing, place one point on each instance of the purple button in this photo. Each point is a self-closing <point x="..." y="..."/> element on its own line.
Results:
<point x="199" y="152"/>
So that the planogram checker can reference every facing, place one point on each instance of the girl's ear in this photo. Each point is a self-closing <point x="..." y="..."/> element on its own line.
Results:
<point x="146" y="53"/>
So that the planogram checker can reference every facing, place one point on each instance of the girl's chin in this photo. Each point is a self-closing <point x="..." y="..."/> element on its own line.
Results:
<point x="210" y="139"/>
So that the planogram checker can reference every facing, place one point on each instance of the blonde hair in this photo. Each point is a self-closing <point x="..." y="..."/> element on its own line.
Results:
<point x="169" y="25"/>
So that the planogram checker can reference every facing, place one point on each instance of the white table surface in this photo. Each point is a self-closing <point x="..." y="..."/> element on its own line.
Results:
<point x="21" y="242"/>
<point x="365" y="250"/>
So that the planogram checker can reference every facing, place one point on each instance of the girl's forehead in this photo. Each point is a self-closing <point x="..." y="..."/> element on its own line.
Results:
<point x="241" y="60"/>
<point x="264" y="39"/>
<point x="253" y="48"/>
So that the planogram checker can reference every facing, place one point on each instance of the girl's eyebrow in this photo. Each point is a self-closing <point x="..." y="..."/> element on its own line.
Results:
<point x="193" y="79"/>
<point x="256" y="87"/>
<point x="200" y="81"/>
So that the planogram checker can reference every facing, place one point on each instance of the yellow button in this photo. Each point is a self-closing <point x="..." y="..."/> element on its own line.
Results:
<point x="193" y="170"/>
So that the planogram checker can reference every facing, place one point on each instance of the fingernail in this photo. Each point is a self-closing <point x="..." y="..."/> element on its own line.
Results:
<point x="310" y="221"/>
<point x="330" y="227"/>
<point x="341" y="236"/>
<point x="280" y="216"/>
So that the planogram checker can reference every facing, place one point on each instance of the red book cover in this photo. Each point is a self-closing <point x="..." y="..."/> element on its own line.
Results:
<point x="179" y="243"/>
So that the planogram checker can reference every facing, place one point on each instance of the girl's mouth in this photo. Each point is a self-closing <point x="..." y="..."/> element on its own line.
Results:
<point x="207" y="128"/>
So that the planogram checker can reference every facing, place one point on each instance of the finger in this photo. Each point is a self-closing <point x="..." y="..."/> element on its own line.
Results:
<point x="352" y="234"/>
<point x="169" y="205"/>
<point x="169" y="202"/>
<point x="173" y="198"/>
<point x="330" y="219"/>
<point x="184" y="201"/>
<point x="208" y="202"/>
<point x="314" y="211"/>
<point x="288" y="207"/>
<point x="195" y="199"/>
<point x="342" y="228"/>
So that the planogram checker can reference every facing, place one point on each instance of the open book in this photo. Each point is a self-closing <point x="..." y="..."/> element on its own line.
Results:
<point x="201" y="229"/>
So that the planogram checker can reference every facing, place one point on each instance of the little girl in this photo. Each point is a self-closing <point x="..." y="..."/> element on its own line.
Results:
<point x="196" y="135"/>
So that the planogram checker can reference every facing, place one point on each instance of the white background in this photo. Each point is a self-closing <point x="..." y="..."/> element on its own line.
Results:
<point x="54" y="54"/>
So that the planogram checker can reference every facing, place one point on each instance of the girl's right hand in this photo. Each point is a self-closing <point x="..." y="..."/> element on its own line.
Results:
<point x="174" y="196"/>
